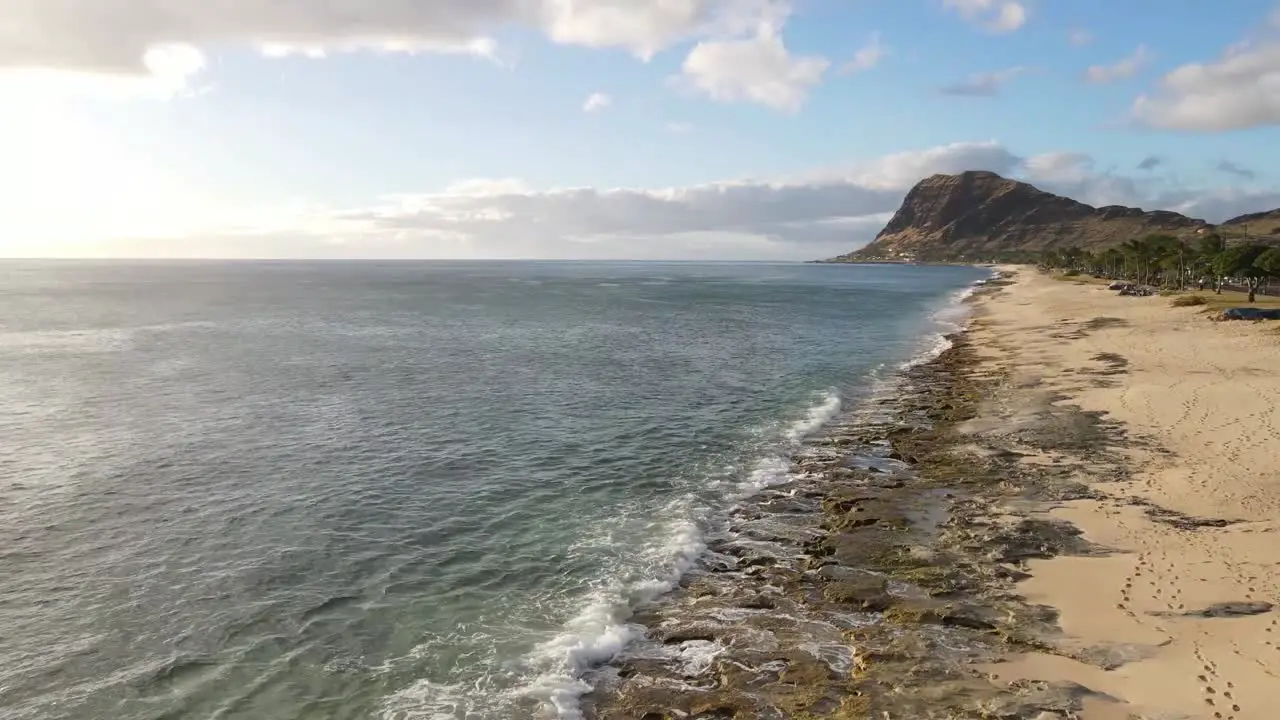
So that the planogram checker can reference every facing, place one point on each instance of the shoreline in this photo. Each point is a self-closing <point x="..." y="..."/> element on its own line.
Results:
<point x="866" y="585"/>
<point x="944" y="553"/>
<point x="738" y="547"/>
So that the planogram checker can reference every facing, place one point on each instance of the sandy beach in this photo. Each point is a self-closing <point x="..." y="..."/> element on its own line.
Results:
<point x="1183" y="606"/>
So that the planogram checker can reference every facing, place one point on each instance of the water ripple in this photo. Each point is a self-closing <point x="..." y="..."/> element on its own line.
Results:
<point x="332" y="491"/>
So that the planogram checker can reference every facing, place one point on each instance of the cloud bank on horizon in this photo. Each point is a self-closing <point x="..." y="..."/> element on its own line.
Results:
<point x="603" y="128"/>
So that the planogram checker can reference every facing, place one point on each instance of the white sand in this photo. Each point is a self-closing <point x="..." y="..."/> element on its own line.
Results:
<point x="1208" y="394"/>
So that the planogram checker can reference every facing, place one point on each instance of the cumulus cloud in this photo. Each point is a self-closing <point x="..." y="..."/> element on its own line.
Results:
<point x="1214" y="204"/>
<point x="1125" y="67"/>
<point x="1240" y="90"/>
<point x="1059" y="168"/>
<point x="1150" y="162"/>
<point x="1075" y="175"/>
<point x="818" y="214"/>
<point x="899" y="171"/>
<point x="983" y="84"/>
<point x="867" y="57"/>
<point x="171" y="70"/>
<point x="999" y="16"/>
<point x="113" y="37"/>
<point x="1230" y="168"/>
<point x="757" y="70"/>
<point x="596" y="102"/>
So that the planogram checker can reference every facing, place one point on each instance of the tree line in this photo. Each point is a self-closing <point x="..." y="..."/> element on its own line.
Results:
<point x="1170" y="262"/>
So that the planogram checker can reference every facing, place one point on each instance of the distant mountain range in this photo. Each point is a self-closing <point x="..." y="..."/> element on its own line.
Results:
<point x="981" y="216"/>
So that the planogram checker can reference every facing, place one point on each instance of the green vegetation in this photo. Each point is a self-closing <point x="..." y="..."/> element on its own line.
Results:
<point x="1171" y="263"/>
<point x="1230" y="298"/>
<point x="1241" y="261"/>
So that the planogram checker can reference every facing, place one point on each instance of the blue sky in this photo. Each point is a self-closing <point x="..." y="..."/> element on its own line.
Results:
<point x="722" y="128"/>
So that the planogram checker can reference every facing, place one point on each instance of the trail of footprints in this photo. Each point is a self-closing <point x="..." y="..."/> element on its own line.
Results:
<point x="1257" y="429"/>
<point x="1266" y="668"/>
<point x="1146" y="575"/>
<point x="1272" y="640"/>
<point x="1219" y="693"/>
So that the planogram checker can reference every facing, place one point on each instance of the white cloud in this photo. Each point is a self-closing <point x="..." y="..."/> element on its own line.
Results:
<point x="647" y="26"/>
<point x="984" y="84"/>
<point x="1074" y="175"/>
<point x="867" y="57"/>
<point x="596" y="101"/>
<point x="900" y="171"/>
<point x="679" y="128"/>
<point x="1240" y="90"/>
<point x="112" y="37"/>
<point x="171" y="70"/>
<point x="999" y="16"/>
<point x="818" y="214"/>
<point x="757" y="70"/>
<point x="482" y="47"/>
<point x="1125" y="67"/>
<point x="1059" y="167"/>
<point x="1080" y="37"/>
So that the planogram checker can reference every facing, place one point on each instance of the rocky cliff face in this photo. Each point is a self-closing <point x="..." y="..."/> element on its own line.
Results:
<point x="980" y="215"/>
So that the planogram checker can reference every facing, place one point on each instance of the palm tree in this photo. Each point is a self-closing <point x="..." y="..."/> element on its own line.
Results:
<point x="1071" y="257"/>
<point x="1243" y="261"/>
<point x="1112" y="261"/>
<point x="1207" y="250"/>
<point x="1141" y="254"/>
<point x="1162" y="249"/>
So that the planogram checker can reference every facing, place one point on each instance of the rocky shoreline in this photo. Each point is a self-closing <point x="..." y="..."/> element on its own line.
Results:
<point x="880" y="581"/>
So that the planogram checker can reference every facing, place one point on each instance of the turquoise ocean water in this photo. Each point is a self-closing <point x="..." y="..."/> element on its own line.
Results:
<point x="393" y="490"/>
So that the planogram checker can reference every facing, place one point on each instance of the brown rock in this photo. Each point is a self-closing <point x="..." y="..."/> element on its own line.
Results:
<point x="863" y="591"/>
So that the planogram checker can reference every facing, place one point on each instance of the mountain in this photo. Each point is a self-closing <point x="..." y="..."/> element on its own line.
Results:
<point x="979" y="215"/>
<point x="1259" y="223"/>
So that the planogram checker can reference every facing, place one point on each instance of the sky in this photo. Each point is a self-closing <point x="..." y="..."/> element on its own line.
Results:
<point x="606" y="129"/>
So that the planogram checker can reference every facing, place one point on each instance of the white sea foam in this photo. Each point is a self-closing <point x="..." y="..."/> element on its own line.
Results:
<point x="425" y="700"/>
<point x="837" y="656"/>
<point x="817" y="416"/>
<point x="696" y="656"/>
<point x="953" y="317"/>
<point x="601" y="629"/>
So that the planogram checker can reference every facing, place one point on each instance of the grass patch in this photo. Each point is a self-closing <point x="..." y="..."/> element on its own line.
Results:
<point x="1214" y="302"/>
<point x="1077" y="278"/>
<point x="1189" y="301"/>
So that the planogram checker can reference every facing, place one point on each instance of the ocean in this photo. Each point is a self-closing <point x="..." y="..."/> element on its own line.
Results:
<point x="401" y="491"/>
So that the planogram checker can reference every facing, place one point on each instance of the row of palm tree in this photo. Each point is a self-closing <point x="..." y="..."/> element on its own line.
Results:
<point x="1170" y="262"/>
